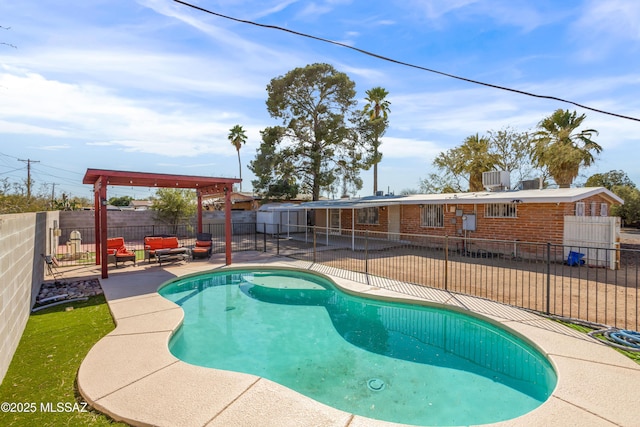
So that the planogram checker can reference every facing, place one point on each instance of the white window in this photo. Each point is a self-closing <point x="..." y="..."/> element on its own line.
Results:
<point x="593" y="208"/>
<point x="432" y="215"/>
<point x="368" y="216"/>
<point x="500" y="210"/>
<point x="579" y="208"/>
<point x="604" y="209"/>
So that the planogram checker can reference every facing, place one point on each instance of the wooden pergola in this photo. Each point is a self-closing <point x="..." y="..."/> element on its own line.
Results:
<point x="203" y="185"/>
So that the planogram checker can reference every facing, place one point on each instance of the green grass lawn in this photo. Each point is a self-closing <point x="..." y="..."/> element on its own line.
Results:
<point x="42" y="374"/>
<point x="633" y="355"/>
<point x="89" y="258"/>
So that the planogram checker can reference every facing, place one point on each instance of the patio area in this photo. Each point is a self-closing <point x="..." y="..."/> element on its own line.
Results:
<point x="131" y="375"/>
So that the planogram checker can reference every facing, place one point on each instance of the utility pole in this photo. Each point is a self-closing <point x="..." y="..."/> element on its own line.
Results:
<point x="28" y="162"/>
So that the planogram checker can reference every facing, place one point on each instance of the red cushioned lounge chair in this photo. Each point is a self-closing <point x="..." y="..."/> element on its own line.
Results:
<point x="117" y="251"/>
<point x="203" y="246"/>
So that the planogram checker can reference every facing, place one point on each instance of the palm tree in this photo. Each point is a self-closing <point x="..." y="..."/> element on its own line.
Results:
<point x="377" y="108"/>
<point x="237" y="138"/>
<point x="560" y="149"/>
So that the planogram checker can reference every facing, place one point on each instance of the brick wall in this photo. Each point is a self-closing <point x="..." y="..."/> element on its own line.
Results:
<point x="382" y="225"/>
<point x="535" y="222"/>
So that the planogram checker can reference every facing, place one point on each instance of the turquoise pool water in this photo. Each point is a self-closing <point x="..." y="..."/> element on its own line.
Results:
<point x="391" y="361"/>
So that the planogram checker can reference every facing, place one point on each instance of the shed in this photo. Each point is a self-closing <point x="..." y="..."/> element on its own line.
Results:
<point x="284" y="218"/>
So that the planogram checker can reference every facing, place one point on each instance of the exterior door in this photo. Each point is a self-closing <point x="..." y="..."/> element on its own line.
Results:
<point x="394" y="222"/>
<point x="334" y="221"/>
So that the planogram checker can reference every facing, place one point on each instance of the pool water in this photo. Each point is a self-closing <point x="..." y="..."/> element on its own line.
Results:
<point x="398" y="362"/>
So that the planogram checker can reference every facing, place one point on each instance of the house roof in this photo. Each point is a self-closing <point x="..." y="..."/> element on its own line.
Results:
<point x="280" y="207"/>
<point x="552" y="195"/>
<point x="138" y="203"/>
<point x="235" y="198"/>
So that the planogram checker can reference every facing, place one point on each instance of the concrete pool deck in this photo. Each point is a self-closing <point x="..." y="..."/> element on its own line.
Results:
<point x="131" y="376"/>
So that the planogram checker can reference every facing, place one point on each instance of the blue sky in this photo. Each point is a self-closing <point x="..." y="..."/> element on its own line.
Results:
<point x="155" y="86"/>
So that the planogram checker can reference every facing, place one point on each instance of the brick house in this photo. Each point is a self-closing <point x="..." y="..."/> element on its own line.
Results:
<point x="525" y="215"/>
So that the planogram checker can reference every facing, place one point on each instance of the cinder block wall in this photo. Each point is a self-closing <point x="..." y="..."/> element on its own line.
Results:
<point x="84" y="221"/>
<point x="23" y="238"/>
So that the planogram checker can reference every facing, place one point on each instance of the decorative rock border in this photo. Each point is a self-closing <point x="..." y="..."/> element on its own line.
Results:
<point x="61" y="290"/>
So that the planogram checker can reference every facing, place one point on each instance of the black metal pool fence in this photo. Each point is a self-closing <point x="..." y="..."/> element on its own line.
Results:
<point x="592" y="284"/>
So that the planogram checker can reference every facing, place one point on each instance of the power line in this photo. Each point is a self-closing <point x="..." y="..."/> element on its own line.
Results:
<point x="38" y="172"/>
<point x="13" y="170"/>
<point x="406" y="64"/>
<point x="60" y="169"/>
<point x="69" y="180"/>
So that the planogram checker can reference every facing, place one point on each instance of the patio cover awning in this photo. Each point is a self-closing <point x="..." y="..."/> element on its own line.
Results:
<point x="101" y="178"/>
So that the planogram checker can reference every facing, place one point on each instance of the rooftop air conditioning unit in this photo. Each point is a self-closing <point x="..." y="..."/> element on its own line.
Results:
<point x="530" y="184"/>
<point x="496" y="180"/>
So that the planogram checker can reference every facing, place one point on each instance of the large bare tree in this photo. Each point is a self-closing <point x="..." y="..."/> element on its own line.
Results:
<point x="314" y="146"/>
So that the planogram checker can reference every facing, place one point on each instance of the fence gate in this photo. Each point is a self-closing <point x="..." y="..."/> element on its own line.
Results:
<point x="394" y="222"/>
<point x="597" y="237"/>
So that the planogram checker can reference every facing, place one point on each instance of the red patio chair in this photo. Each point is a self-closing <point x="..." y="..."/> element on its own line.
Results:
<point x="117" y="251"/>
<point x="203" y="246"/>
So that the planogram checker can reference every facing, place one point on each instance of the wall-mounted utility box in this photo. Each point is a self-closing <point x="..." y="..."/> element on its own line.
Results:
<point x="469" y="222"/>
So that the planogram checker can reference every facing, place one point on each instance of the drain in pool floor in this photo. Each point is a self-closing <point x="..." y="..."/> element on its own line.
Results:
<point x="375" y="384"/>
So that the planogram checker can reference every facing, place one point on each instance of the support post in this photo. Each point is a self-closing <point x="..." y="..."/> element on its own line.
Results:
<point x="353" y="229"/>
<point x="199" y="195"/>
<point x="446" y="262"/>
<point x="264" y="237"/>
<point x="103" y="226"/>
<point x="314" y="244"/>
<point x="548" y="277"/>
<point x="96" y="219"/>
<point x="366" y="252"/>
<point x="255" y="236"/>
<point x="227" y="223"/>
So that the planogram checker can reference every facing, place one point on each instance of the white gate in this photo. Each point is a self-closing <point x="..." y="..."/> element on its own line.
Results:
<point x="394" y="222"/>
<point x="334" y="221"/>
<point x="596" y="237"/>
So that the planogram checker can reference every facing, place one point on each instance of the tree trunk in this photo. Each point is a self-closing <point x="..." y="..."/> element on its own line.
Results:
<point x="240" y="170"/>
<point x="375" y="168"/>
<point x="375" y="179"/>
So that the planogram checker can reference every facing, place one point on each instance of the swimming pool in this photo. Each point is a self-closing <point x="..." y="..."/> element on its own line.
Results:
<point x="399" y="362"/>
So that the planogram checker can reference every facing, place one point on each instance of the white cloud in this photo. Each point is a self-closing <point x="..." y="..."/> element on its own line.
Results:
<point x="607" y="26"/>
<point x="402" y="148"/>
<point x="88" y="112"/>
<point x="438" y="8"/>
<point x="272" y="9"/>
<point x="55" y="147"/>
<point x="523" y="14"/>
<point x="313" y="10"/>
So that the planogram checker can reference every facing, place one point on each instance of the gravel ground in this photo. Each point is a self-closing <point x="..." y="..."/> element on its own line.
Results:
<point x="630" y="236"/>
<point x="594" y="294"/>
